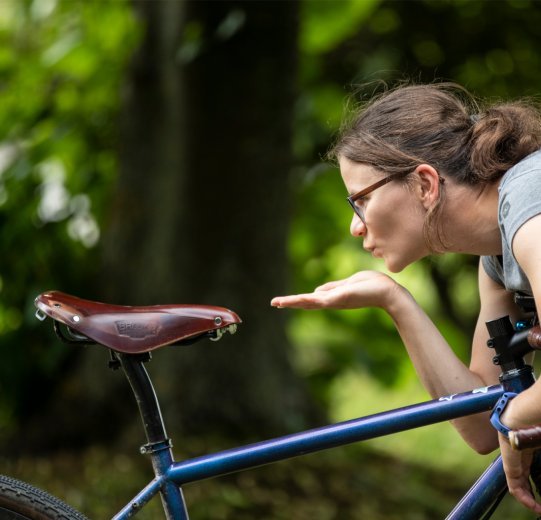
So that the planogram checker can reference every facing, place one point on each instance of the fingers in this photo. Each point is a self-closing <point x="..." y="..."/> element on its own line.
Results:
<point x="519" y="486"/>
<point x="298" y="301"/>
<point x="308" y="300"/>
<point x="522" y="492"/>
<point x="517" y="471"/>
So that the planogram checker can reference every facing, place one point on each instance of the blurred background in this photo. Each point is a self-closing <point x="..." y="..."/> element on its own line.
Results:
<point x="173" y="152"/>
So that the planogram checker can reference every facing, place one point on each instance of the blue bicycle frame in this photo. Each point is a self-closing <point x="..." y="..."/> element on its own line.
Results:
<point x="171" y="475"/>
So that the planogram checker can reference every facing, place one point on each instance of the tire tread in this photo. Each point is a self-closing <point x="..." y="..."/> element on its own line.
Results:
<point x="25" y="499"/>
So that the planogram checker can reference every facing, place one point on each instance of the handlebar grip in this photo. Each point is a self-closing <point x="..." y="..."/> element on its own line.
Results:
<point x="534" y="337"/>
<point x="525" y="438"/>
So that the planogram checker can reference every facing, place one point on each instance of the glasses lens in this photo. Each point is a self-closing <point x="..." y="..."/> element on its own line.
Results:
<point x="358" y="207"/>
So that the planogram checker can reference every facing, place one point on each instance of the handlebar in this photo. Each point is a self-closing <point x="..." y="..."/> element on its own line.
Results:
<point x="525" y="438"/>
<point x="534" y="337"/>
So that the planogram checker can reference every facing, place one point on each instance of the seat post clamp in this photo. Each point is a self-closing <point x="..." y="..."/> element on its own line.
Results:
<point x="154" y="447"/>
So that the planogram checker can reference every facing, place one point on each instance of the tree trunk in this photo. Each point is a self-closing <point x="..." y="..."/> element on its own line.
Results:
<point x="200" y="215"/>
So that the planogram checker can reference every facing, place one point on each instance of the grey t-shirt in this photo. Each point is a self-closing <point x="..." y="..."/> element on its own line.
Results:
<point x="519" y="200"/>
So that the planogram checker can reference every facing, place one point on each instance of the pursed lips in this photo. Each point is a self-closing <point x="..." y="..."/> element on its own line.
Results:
<point x="373" y="251"/>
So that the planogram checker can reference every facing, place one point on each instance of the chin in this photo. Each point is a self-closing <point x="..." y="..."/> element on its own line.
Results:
<point x="395" y="265"/>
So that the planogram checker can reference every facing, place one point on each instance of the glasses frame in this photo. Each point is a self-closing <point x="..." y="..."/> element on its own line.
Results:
<point x="363" y="193"/>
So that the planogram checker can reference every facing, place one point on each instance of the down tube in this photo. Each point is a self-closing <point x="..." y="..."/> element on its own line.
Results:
<point x="372" y="426"/>
<point x="483" y="495"/>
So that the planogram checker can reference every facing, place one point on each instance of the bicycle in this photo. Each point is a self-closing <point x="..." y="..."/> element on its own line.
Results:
<point x="132" y="333"/>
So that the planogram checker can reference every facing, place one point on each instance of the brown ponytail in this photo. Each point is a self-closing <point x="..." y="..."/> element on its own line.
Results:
<point x="502" y="136"/>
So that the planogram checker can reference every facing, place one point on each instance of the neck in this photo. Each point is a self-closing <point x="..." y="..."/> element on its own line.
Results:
<point x="471" y="220"/>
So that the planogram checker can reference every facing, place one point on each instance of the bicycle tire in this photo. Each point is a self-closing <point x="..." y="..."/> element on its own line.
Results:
<point x="22" y="501"/>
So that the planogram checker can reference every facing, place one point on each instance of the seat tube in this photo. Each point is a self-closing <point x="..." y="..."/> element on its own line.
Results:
<point x="159" y="446"/>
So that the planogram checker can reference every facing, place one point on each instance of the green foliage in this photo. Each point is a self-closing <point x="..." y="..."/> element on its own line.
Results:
<point x="342" y="20"/>
<point x="61" y="68"/>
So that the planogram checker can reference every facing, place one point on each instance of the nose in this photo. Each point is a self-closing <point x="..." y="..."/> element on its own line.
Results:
<point x="357" y="227"/>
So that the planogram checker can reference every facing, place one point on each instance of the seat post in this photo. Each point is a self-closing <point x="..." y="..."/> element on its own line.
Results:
<point x="145" y="396"/>
<point x="158" y="446"/>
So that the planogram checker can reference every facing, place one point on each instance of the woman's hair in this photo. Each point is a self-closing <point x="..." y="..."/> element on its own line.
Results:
<point x="444" y="126"/>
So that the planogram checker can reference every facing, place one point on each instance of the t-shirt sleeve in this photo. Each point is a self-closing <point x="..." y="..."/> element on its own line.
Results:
<point x="520" y="200"/>
<point x="493" y="268"/>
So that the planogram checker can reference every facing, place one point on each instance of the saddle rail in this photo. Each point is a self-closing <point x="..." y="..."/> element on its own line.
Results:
<point x="135" y="329"/>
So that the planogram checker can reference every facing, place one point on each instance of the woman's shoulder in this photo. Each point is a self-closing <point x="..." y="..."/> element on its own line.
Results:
<point x="529" y="165"/>
<point x="519" y="197"/>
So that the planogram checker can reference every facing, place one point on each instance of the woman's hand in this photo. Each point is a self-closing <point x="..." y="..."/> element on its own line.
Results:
<point x="516" y="465"/>
<point x="363" y="289"/>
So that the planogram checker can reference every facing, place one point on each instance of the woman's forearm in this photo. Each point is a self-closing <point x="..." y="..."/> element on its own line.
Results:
<point x="438" y="367"/>
<point x="440" y="370"/>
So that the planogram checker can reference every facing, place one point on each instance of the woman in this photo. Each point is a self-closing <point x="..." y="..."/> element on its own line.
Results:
<point x="428" y="171"/>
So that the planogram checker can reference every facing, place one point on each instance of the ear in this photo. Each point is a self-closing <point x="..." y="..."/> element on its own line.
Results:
<point x="428" y="186"/>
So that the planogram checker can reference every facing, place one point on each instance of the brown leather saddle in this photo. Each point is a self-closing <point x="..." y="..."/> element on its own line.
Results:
<point x="135" y="330"/>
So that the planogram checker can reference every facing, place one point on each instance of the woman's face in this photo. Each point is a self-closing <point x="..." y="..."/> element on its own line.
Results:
<point x="394" y="217"/>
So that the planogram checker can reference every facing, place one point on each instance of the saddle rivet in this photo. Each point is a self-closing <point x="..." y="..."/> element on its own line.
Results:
<point x="76" y="318"/>
<point x="217" y="320"/>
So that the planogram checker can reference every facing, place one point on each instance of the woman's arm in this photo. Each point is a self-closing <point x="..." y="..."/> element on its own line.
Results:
<point x="525" y="409"/>
<point x="438" y="367"/>
<point x="496" y="302"/>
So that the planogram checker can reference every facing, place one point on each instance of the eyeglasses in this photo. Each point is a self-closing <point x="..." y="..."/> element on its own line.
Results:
<point x="358" y="201"/>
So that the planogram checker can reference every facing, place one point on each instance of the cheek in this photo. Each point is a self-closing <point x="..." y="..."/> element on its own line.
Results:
<point x="405" y="220"/>
<point x="393" y="211"/>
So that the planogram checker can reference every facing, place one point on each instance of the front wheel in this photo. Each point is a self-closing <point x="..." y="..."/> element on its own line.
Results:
<point x="21" y="501"/>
